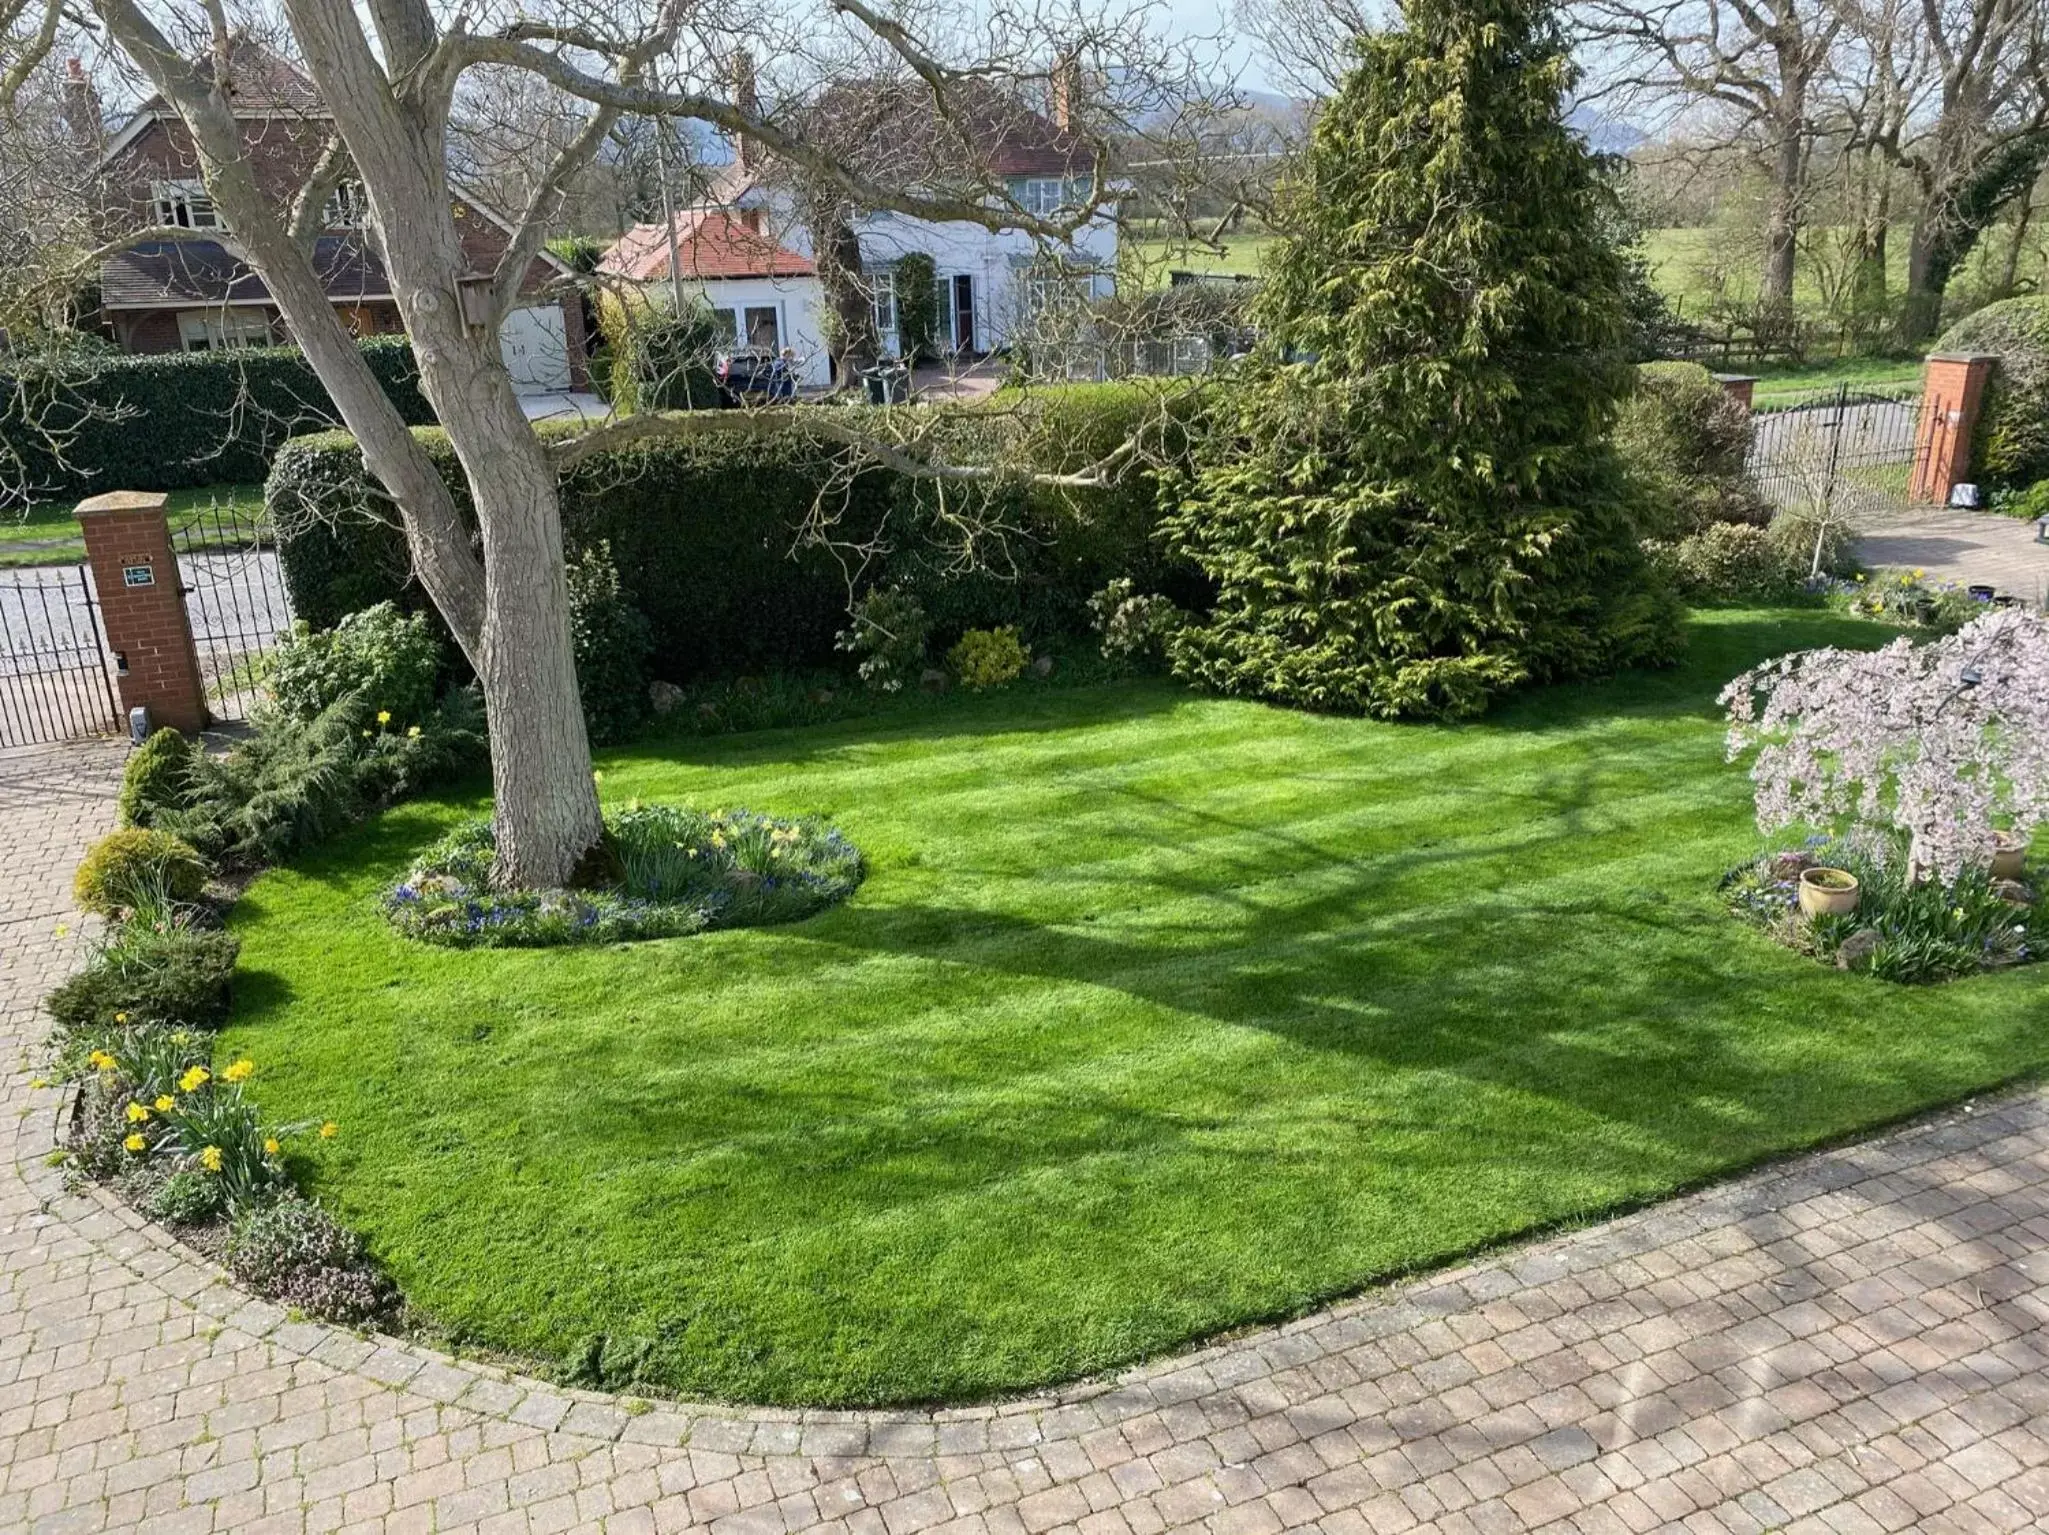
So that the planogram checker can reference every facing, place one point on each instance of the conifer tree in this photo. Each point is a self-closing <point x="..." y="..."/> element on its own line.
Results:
<point x="1408" y="502"/>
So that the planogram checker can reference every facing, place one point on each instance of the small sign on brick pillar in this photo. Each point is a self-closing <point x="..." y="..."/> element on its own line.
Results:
<point x="128" y="543"/>
<point x="1952" y="390"/>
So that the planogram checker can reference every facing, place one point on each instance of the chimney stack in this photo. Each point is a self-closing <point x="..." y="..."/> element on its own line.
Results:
<point x="82" y="113"/>
<point x="747" y="101"/>
<point x="1064" y="91"/>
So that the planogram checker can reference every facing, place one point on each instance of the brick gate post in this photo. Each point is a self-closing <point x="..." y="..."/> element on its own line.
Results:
<point x="1738" y="387"/>
<point x="142" y="603"/>
<point x="1952" y="389"/>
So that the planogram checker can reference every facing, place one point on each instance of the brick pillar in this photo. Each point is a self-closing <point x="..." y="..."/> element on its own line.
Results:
<point x="1738" y="387"/>
<point x="1951" y="391"/>
<point x="142" y="604"/>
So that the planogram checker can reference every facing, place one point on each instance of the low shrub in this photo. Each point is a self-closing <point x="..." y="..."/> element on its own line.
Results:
<point x="158" y="777"/>
<point x="889" y="633"/>
<point x="292" y="783"/>
<point x="988" y="658"/>
<point x="1729" y="562"/>
<point x="2030" y="502"/>
<point x="1686" y="444"/>
<point x="150" y="972"/>
<point x="390" y="659"/>
<point x="656" y="360"/>
<point x="1906" y="931"/>
<point x="137" y="864"/>
<point x="679" y="872"/>
<point x="612" y="643"/>
<point x="188" y="1197"/>
<point x="1136" y="628"/>
<point x="293" y="1251"/>
<point x="1795" y="535"/>
<point x="2010" y="443"/>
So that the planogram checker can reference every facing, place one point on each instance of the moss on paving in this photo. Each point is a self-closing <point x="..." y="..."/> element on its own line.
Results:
<point x="1157" y="1015"/>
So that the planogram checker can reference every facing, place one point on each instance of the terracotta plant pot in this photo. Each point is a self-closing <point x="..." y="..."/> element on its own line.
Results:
<point x="1827" y="892"/>
<point x="2009" y="854"/>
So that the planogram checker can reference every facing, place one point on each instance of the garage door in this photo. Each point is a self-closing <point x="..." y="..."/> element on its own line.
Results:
<point x="535" y="348"/>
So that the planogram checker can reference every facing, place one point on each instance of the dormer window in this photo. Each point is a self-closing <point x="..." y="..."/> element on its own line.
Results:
<point x="348" y="207"/>
<point x="185" y="205"/>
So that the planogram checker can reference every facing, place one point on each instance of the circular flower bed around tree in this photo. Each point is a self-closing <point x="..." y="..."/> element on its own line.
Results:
<point x="673" y="872"/>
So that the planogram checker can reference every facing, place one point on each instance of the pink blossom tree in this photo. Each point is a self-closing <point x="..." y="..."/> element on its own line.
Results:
<point x="1943" y="744"/>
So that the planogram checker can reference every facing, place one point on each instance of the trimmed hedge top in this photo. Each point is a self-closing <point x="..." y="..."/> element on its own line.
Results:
<point x="171" y="420"/>
<point x="706" y="536"/>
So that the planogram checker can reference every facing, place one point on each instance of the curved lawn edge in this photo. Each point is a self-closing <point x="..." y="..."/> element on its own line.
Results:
<point x="1692" y="1099"/>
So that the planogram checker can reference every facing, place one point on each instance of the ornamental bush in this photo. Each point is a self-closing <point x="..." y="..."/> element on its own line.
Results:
<point x="389" y="659"/>
<point x="988" y="658"/>
<point x="174" y="419"/>
<point x="1407" y="501"/>
<point x="2010" y="445"/>
<point x="146" y="972"/>
<point x="1686" y="444"/>
<point x="157" y="778"/>
<point x="611" y="640"/>
<point x="137" y="864"/>
<point x="293" y="1251"/>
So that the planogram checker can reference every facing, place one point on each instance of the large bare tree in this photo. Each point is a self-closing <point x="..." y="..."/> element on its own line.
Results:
<point x="388" y="74"/>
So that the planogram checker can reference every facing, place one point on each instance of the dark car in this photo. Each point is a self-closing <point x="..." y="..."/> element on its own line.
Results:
<point x="755" y="375"/>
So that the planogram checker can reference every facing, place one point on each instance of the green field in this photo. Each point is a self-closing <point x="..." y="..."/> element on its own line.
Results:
<point x="1157" y="1015"/>
<point x="48" y="534"/>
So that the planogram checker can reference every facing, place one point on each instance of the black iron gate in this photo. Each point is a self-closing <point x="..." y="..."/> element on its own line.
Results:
<point x="54" y="681"/>
<point x="235" y="599"/>
<point x="1844" y="454"/>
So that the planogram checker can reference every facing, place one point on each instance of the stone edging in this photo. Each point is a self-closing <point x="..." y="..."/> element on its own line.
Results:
<point x="153" y="1254"/>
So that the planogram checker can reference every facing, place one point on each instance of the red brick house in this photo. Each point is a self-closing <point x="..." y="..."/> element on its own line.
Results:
<point x="196" y="295"/>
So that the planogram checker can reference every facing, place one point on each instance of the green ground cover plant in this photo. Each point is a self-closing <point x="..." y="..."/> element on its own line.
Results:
<point x="1155" y="1015"/>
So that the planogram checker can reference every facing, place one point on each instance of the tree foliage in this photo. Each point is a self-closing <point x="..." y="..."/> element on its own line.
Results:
<point x="1409" y="504"/>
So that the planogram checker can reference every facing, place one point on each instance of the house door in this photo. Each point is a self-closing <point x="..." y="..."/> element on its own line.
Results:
<point x="964" y="314"/>
<point x="534" y="343"/>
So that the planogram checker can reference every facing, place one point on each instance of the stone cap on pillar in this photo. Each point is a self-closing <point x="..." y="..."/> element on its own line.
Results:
<point x="122" y="501"/>
<point x="1963" y="357"/>
<point x="1735" y="378"/>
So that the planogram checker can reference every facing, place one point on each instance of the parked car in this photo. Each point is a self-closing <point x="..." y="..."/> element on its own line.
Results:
<point x="756" y="375"/>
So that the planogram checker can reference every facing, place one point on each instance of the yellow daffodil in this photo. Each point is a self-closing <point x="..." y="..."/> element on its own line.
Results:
<point x="210" y="1158"/>
<point x="137" y="1114"/>
<point x="194" y="1079"/>
<point x="99" y="1060"/>
<point x="367" y="732"/>
<point x="412" y="732"/>
<point x="270" y="1147"/>
<point x="240" y="1071"/>
<point x="329" y="1130"/>
<point x="120" y="1017"/>
<point x="384" y="716"/>
<point x="166" y="1103"/>
<point x="135" y="1142"/>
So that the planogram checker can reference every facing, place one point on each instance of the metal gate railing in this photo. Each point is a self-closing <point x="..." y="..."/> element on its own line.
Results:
<point x="235" y="600"/>
<point x="54" y="679"/>
<point x="1845" y="453"/>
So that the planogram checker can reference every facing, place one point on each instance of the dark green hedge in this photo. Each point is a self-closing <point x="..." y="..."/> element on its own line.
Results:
<point x="705" y="536"/>
<point x="174" y="419"/>
<point x="2010" y="445"/>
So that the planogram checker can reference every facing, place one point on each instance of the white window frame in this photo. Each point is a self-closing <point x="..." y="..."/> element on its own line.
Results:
<point x="1042" y="196"/>
<point x="218" y="330"/>
<point x="348" y="206"/>
<point x="185" y="205"/>
<point x="882" y="301"/>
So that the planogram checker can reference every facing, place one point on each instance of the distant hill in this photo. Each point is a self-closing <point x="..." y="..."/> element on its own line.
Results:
<point x="1604" y="134"/>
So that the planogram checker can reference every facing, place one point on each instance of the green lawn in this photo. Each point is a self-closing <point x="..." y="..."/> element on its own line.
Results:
<point x="1784" y="383"/>
<point x="48" y="534"/>
<point x="1157" y="1015"/>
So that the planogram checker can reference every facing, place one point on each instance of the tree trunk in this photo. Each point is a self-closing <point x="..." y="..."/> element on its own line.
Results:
<point x="1929" y="263"/>
<point x="849" y="307"/>
<point x="1782" y="219"/>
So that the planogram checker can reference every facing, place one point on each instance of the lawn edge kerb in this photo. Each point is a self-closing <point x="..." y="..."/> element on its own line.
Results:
<point x="480" y="1382"/>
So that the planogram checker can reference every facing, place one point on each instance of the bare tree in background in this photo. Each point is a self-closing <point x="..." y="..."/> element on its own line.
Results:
<point x="389" y="75"/>
<point x="1748" y="68"/>
<point x="1308" y="43"/>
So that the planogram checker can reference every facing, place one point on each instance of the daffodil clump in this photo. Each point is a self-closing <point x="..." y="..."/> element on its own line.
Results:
<point x="673" y="872"/>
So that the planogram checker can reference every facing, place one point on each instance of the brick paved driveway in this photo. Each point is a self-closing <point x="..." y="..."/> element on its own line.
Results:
<point x="1854" y="1342"/>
